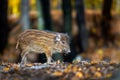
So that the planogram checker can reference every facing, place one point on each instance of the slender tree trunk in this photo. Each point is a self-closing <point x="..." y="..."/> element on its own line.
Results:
<point x="80" y="19"/>
<point x="46" y="14"/>
<point x="4" y="28"/>
<point x="106" y="18"/>
<point x="40" y="15"/>
<point x="118" y="6"/>
<point x="25" y="20"/>
<point x="67" y="10"/>
<point x="67" y="17"/>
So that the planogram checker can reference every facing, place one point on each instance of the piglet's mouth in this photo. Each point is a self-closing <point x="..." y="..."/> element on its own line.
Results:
<point x="66" y="51"/>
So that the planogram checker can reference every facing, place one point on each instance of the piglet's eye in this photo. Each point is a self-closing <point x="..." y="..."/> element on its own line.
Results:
<point x="63" y="42"/>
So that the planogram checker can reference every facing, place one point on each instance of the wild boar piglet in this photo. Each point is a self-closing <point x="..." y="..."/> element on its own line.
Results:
<point x="37" y="41"/>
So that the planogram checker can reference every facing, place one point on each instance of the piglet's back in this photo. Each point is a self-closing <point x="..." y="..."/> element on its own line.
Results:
<point x="35" y="36"/>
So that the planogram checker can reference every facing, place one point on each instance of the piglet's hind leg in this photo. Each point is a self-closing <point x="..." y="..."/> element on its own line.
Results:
<point x="24" y="57"/>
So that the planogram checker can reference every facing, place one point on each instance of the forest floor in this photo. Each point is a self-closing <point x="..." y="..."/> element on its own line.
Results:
<point x="61" y="71"/>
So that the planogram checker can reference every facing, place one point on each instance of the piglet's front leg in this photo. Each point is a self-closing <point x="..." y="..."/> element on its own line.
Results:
<point x="49" y="57"/>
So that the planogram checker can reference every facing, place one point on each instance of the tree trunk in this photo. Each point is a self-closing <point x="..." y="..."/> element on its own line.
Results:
<point x="25" y="20"/>
<point x="67" y="8"/>
<point x="80" y="19"/>
<point x="118" y="7"/>
<point x="106" y="18"/>
<point x="4" y="28"/>
<point x="46" y="14"/>
<point x="67" y="16"/>
<point x="40" y="15"/>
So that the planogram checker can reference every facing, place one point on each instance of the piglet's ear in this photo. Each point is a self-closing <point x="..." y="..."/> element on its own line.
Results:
<point x="57" y="37"/>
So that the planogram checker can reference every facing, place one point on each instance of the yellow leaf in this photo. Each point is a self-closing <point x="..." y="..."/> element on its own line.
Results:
<point x="98" y="74"/>
<point x="67" y="70"/>
<point x="74" y="69"/>
<point x="100" y="51"/>
<point x="79" y="74"/>
<point x="29" y="65"/>
<point x="57" y="73"/>
<point x="6" y="69"/>
<point x="109" y="75"/>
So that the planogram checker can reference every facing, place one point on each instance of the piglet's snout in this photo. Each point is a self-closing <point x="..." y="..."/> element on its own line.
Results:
<point x="66" y="51"/>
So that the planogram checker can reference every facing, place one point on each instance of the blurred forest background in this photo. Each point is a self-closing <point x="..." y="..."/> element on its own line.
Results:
<point x="93" y="26"/>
